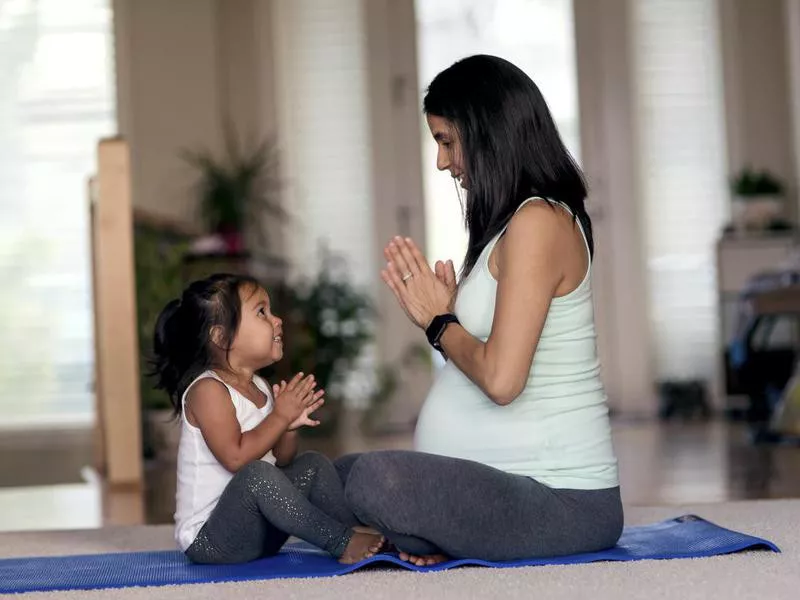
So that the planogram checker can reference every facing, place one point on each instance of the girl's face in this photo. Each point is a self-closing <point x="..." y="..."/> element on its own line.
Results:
<point x="449" y="156"/>
<point x="259" y="340"/>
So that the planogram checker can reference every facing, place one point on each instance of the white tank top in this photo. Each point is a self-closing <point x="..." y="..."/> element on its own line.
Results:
<point x="201" y="477"/>
<point x="557" y="431"/>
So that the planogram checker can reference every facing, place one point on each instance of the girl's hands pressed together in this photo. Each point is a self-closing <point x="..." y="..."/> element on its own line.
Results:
<point x="296" y="401"/>
<point x="421" y="293"/>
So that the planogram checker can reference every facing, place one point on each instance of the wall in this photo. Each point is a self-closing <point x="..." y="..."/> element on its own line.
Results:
<point x="792" y="21"/>
<point x="757" y="85"/>
<point x="196" y="59"/>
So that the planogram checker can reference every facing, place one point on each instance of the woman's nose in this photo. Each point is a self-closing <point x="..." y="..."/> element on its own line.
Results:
<point x="442" y="159"/>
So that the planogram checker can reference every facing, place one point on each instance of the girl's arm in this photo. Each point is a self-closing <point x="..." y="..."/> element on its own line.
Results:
<point x="209" y="407"/>
<point x="286" y="448"/>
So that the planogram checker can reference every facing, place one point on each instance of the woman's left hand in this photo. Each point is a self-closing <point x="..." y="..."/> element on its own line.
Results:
<point x="420" y="293"/>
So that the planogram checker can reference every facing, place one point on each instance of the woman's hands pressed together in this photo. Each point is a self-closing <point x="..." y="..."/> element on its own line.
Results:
<point x="421" y="292"/>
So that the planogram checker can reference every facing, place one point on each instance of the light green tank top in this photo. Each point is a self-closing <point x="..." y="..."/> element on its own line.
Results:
<point x="557" y="431"/>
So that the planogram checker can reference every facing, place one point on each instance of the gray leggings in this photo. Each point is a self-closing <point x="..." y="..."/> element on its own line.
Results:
<point x="428" y="504"/>
<point x="263" y="505"/>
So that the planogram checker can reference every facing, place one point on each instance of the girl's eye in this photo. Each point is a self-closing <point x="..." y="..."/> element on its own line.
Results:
<point x="262" y="312"/>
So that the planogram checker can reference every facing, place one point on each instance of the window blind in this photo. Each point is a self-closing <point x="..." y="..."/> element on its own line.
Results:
<point x="56" y="101"/>
<point x="678" y="94"/>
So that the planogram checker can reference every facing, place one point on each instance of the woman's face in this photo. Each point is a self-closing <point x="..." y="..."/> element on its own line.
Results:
<point x="449" y="156"/>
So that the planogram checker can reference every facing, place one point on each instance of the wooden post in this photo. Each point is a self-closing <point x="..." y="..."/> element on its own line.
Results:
<point x="116" y="343"/>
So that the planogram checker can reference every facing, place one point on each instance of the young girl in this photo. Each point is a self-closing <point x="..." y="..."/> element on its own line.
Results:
<point x="242" y="491"/>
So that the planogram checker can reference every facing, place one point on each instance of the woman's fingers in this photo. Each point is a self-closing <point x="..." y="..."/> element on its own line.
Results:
<point x="413" y="254"/>
<point x="397" y="284"/>
<point x="439" y="269"/>
<point x="400" y="259"/>
<point x="450" y="274"/>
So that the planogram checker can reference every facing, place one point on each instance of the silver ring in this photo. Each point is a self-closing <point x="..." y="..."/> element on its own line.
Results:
<point x="408" y="276"/>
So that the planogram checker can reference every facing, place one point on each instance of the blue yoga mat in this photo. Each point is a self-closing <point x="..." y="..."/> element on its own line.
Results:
<point x="688" y="536"/>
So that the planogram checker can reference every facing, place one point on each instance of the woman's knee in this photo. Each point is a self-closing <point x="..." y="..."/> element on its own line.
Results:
<point x="344" y="465"/>
<point x="374" y="478"/>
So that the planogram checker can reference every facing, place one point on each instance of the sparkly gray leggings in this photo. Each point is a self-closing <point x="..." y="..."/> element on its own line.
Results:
<point x="428" y="504"/>
<point x="263" y="505"/>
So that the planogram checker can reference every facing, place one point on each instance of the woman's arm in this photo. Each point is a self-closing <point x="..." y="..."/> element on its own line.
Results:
<point x="529" y="272"/>
<point x="529" y="263"/>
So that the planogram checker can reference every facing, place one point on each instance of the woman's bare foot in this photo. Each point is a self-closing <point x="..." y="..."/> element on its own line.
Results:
<point x="361" y="546"/>
<point x="423" y="561"/>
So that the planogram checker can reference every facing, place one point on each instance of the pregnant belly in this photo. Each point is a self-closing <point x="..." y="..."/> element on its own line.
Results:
<point x="459" y="420"/>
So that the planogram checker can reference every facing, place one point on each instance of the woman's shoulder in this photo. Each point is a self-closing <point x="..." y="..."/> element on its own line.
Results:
<point x="538" y="223"/>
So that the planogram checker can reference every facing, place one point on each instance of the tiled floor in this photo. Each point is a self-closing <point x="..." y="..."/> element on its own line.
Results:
<point x="46" y="481"/>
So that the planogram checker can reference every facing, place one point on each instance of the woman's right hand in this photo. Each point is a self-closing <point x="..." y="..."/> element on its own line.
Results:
<point x="446" y="273"/>
<point x="295" y="397"/>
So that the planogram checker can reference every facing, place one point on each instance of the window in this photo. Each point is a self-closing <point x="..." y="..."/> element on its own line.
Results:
<point x="538" y="37"/>
<point x="682" y="174"/>
<point x="57" y="100"/>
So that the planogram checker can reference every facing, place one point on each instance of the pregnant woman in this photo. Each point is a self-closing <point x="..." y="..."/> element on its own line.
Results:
<point x="513" y="455"/>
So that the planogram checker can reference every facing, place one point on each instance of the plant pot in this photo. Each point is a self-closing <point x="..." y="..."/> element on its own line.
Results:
<point x="164" y="433"/>
<point x="755" y="213"/>
<point x="232" y="239"/>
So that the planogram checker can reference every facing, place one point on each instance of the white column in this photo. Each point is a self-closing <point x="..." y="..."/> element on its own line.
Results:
<point x="321" y="84"/>
<point x="609" y="159"/>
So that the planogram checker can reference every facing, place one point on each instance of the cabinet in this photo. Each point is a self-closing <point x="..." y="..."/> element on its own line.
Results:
<point x="739" y="259"/>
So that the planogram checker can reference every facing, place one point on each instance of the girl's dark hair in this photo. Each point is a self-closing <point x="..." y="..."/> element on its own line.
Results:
<point x="182" y="340"/>
<point x="510" y="146"/>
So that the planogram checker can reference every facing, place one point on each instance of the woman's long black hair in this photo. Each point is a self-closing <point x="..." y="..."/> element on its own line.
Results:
<point x="510" y="146"/>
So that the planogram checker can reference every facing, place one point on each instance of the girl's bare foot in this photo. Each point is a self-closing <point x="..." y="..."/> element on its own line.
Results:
<point x="365" y="529"/>
<point x="423" y="561"/>
<point x="361" y="546"/>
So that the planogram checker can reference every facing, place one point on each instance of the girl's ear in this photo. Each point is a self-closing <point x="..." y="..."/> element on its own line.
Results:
<point x="216" y="335"/>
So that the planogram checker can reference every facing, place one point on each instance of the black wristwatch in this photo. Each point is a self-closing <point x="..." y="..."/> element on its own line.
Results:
<point x="436" y="329"/>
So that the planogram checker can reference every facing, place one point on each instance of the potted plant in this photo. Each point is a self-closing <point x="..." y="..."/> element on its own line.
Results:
<point x="237" y="191"/>
<point x="757" y="199"/>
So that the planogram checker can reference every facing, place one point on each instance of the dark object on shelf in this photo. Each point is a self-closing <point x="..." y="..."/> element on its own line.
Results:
<point x="683" y="399"/>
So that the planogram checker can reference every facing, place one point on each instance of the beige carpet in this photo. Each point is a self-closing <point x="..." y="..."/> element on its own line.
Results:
<point x="762" y="575"/>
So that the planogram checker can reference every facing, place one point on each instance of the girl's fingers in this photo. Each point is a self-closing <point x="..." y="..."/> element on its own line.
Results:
<point x="295" y="380"/>
<point x="316" y="405"/>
